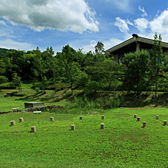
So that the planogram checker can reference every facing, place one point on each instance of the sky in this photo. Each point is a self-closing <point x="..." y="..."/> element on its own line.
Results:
<point x="28" y="24"/>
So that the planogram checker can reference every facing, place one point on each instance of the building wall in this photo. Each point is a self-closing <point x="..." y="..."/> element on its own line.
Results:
<point x="115" y="58"/>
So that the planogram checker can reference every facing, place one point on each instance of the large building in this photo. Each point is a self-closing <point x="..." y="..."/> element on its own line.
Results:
<point x="133" y="44"/>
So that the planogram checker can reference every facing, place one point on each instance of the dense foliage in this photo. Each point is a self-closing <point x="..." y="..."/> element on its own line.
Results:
<point x="139" y="71"/>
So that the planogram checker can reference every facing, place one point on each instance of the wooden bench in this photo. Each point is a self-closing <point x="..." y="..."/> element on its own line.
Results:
<point x="36" y="112"/>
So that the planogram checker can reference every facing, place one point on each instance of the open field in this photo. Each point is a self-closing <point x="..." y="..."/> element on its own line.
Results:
<point x="123" y="142"/>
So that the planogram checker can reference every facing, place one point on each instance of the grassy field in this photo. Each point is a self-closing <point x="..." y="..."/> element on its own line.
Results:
<point x="123" y="142"/>
<point x="17" y="99"/>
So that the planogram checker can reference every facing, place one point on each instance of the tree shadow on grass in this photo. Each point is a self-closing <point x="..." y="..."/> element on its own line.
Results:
<point x="145" y="99"/>
<point x="33" y="97"/>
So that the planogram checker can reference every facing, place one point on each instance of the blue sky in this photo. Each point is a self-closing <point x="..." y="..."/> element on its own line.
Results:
<point x="26" y="24"/>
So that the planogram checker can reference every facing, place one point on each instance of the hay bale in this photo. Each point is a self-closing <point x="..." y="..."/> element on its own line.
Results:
<point x="33" y="129"/>
<point x="73" y="127"/>
<point x="21" y="119"/>
<point x="102" y="126"/>
<point x="12" y="122"/>
<point x="51" y="118"/>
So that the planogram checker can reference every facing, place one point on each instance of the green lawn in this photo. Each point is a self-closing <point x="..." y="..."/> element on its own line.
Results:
<point x="28" y="95"/>
<point x="123" y="142"/>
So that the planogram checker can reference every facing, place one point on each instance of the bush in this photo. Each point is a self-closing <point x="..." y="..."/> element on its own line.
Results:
<point x="101" y="103"/>
<point x="7" y="85"/>
<point x="3" y="79"/>
<point x="36" y="86"/>
<point x="68" y="93"/>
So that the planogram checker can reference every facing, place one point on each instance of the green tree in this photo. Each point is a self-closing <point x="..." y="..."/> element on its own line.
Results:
<point x="68" y="62"/>
<point x="2" y="66"/>
<point x="50" y="51"/>
<point x="136" y="71"/>
<point x="102" y="72"/>
<point x="16" y="81"/>
<point x="3" y="78"/>
<point x="99" y="48"/>
<point x="157" y="60"/>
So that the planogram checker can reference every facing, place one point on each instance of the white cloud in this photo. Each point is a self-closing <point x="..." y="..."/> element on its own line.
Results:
<point x="6" y="32"/>
<point x="142" y="10"/>
<point x="141" y="24"/>
<point x="124" y="5"/>
<point x="121" y="24"/>
<point x="130" y="23"/>
<point x="63" y="15"/>
<point x="107" y="44"/>
<point x="111" y="43"/>
<point x="2" y="23"/>
<point x="160" y="23"/>
<point x="11" y="44"/>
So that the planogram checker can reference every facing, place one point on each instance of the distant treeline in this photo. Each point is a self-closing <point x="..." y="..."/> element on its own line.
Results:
<point x="92" y="71"/>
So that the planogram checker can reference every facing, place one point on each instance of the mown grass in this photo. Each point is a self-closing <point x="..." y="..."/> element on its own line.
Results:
<point x="123" y="142"/>
<point x="17" y="99"/>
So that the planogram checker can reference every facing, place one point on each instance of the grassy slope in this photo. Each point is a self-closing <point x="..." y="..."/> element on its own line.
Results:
<point x="62" y="98"/>
<point x="28" y="95"/>
<point x="122" y="144"/>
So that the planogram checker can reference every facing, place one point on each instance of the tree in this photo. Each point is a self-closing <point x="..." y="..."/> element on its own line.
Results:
<point x="102" y="72"/>
<point x="157" y="58"/>
<point x="68" y="60"/>
<point x="3" y="78"/>
<point x="136" y="71"/>
<point x="16" y="81"/>
<point x="56" y="71"/>
<point x="99" y="48"/>
<point x="2" y="66"/>
<point x="50" y="51"/>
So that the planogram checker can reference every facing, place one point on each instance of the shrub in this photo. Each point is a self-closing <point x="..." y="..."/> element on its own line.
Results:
<point x="3" y="79"/>
<point x="68" y="93"/>
<point x="7" y="85"/>
<point x="102" y="102"/>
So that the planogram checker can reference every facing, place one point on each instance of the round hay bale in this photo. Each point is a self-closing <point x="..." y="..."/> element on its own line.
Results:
<point x="12" y="122"/>
<point x="33" y="129"/>
<point x="51" y="118"/>
<point x="102" y="125"/>
<point x="21" y="119"/>
<point x="73" y="127"/>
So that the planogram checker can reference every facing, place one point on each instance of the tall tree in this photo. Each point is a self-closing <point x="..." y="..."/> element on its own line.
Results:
<point x="136" y="71"/>
<point x="16" y="81"/>
<point x="70" y="66"/>
<point x="99" y="48"/>
<point x="157" y="58"/>
<point x="3" y="78"/>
